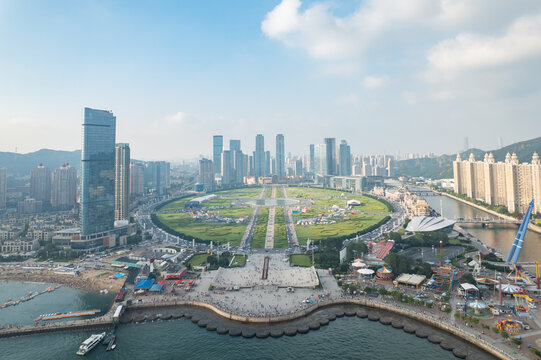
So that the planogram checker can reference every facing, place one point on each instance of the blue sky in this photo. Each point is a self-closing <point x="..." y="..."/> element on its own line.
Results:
<point x="416" y="76"/>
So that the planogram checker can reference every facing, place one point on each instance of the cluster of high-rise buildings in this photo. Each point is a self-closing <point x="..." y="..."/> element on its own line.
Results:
<point x="231" y="167"/>
<point x="505" y="183"/>
<point x="328" y="164"/>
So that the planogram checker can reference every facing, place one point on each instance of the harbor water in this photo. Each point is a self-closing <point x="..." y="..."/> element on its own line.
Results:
<point x="344" y="338"/>
<point x="63" y="299"/>
<point x="499" y="236"/>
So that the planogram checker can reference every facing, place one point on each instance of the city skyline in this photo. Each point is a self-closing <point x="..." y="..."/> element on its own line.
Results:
<point x="307" y="83"/>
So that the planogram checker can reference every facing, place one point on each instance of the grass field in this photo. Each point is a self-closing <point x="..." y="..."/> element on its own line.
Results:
<point x="323" y="199"/>
<point x="341" y="228"/>
<point x="280" y="234"/>
<point x="328" y="198"/>
<point x="260" y="232"/>
<point x="300" y="260"/>
<point x="219" y="233"/>
<point x="198" y="259"/>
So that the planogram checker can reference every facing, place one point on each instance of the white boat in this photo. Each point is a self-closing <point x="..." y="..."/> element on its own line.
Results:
<point x="90" y="343"/>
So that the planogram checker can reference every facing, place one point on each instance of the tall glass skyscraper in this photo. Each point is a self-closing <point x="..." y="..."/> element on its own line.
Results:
<point x="98" y="172"/>
<point x="320" y="159"/>
<point x="311" y="169"/>
<point x="280" y="156"/>
<point x="331" y="156"/>
<point x="344" y="159"/>
<point x="259" y="160"/>
<point x="217" y="148"/>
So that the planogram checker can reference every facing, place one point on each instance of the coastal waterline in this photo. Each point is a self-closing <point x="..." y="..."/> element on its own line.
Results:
<point x="499" y="237"/>
<point x="63" y="299"/>
<point x="344" y="338"/>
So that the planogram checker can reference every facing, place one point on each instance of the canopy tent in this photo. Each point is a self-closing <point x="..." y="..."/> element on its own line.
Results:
<point x="358" y="264"/>
<point x="511" y="289"/>
<point x="366" y="272"/>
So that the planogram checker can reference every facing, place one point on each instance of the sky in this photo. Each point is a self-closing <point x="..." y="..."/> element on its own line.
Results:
<point x="408" y="76"/>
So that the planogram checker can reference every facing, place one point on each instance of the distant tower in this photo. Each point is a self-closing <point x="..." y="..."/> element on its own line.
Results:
<point x="466" y="144"/>
<point x="40" y="184"/>
<point x="280" y="156"/>
<point x="500" y="142"/>
<point x="259" y="156"/>
<point x="64" y="188"/>
<point x="331" y="156"/>
<point x="122" y="181"/>
<point x="217" y="148"/>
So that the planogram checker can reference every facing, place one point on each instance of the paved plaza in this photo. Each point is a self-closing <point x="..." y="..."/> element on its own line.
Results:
<point x="280" y="274"/>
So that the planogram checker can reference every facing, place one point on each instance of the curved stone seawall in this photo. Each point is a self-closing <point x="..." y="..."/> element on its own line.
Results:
<point x="470" y="338"/>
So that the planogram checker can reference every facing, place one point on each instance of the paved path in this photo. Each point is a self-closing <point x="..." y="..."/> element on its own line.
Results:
<point x="249" y="232"/>
<point x="269" y="239"/>
<point x="290" y="225"/>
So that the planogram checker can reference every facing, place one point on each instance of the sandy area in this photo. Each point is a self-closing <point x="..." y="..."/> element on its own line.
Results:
<point x="87" y="280"/>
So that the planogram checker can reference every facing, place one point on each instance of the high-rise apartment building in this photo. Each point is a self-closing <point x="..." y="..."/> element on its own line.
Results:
<point x="40" y="184"/>
<point x="507" y="183"/>
<point x="320" y="159"/>
<point x="259" y="156"/>
<point x="122" y="181"/>
<point x="344" y="159"/>
<point x="206" y="174"/>
<point x="64" y="188"/>
<point x="137" y="179"/>
<point x="331" y="156"/>
<point x="217" y="148"/>
<point x="157" y="176"/>
<point x="98" y="172"/>
<point x="280" y="156"/>
<point x="3" y="188"/>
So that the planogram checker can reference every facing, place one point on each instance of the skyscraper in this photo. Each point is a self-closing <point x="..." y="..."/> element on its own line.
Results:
<point x="217" y="148"/>
<point x="40" y="184"/>
<point x="122" y="181"/>
<point x="331" y="156"/>
<point x="345" y="159"/>
<point x="280" y="156"/>
<point x="64" y="187"/>
<point x="234" y="145"/>
<point x="320" y="159"/>
<point x="206" y="174"/>
<point x="311" y="169"/>
<point x="227" y="170"/>
<point x="259" y="156"/>
<point x="98" y="171"/>
<point x="137" y="179"/>
<point x="3" y="188"/>
<point x="268" y="162"/>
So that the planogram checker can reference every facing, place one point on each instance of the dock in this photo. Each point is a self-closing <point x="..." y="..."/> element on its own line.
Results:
<point x="67" y="315"/>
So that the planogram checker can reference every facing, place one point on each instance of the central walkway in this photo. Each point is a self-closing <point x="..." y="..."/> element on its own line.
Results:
<point x="269" y="238"/>
<point x="290" y="225"/>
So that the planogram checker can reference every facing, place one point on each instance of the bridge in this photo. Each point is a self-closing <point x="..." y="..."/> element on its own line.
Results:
<point x="423" y="192"/>
<point x="486" y="221"/>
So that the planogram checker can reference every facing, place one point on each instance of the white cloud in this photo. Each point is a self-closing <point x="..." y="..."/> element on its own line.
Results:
<point x="373" y="82"/>
<point x="467" y="51"/>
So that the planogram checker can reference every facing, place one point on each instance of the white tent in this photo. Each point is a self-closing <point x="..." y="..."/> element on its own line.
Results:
<point x="365" y="272"/>
<point x="358" y="264"/>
